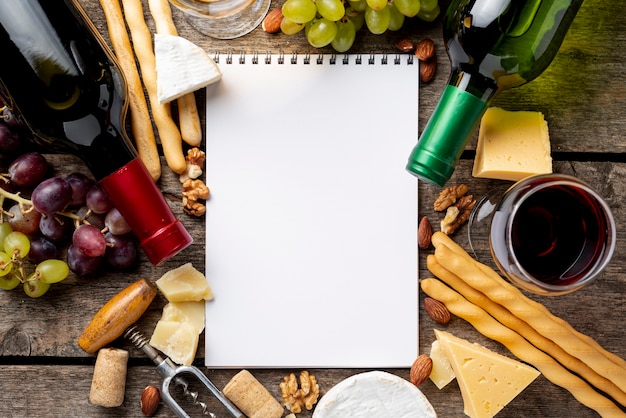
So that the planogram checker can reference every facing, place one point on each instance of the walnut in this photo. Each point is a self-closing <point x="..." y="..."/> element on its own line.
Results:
<point x="449" y="196"/>
<point x="195" y="163"/>
<point x="193" y="191"/>
<point x="306" y="395"/>
<point x="457" y="214"/>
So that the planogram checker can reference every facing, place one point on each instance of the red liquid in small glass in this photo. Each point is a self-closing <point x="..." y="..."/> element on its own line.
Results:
<point x="558" y="234"/>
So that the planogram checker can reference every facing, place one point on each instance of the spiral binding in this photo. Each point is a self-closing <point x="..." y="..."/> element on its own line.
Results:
<point x="308" y="59"/>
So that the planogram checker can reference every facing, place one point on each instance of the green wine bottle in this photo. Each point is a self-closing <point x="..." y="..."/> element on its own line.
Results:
<point x="493" y="45"/>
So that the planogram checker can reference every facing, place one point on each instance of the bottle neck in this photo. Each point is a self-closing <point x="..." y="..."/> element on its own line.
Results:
<point x="454" y="120"/>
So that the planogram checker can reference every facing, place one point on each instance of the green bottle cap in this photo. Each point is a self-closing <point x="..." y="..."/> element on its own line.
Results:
<point x="450" y="127"/>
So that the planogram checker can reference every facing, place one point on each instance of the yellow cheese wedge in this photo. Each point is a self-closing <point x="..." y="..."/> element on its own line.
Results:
<point x="182" y="67"/>
<point x="512" y="145"/>
<point x="191" y="312"/>
<point x="488" y="380"/>
<point x="184" y="284"/>
<point x="442" y="372"/>
<point x="177" y="340"/>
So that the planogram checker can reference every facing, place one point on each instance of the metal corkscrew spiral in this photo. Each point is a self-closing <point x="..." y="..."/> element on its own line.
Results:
<point x="174" y="374"/>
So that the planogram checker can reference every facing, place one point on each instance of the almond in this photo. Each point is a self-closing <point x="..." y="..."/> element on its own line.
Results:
<point x="437" y="311"/>
<point x="428" y="69"/>
<point x="425" y="49"/>
<point x="420" y="370"/>
<point x="150" y="398"/>
<point x="405" y="45"/>
<point x="272" y="21"/>
<point x="424" y="233"/>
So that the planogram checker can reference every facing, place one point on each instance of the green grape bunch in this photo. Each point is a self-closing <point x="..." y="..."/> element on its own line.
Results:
<point x="336" y="22"/>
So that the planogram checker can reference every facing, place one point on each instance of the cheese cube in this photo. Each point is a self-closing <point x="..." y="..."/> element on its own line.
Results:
<point x="512" y="145"/>
<point x="191" y="312"/>
<point x="442" y="372"/>
<point x="184" y="284"/>
<point x="488" y="380"/>
<point x="177" y="340"/>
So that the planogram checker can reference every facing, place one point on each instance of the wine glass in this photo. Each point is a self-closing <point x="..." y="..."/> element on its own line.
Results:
<point x="223" y="19"/>
<point x="549" y="234"/>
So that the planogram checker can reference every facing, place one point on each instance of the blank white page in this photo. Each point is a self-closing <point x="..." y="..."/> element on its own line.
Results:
<point x="311" y="227"/>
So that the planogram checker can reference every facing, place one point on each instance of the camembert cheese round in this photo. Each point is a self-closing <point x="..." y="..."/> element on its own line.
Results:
<point x="374" y="394"/>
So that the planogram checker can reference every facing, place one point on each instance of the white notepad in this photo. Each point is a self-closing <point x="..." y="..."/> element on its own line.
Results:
<point x="311" y="228"/>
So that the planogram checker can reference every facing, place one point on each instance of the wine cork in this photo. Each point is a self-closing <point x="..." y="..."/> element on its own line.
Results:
<point x="251" y="397"/>
<point x="109" y="378"/>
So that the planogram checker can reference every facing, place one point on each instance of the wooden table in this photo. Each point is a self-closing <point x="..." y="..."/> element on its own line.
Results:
<point x="583" y="96"/>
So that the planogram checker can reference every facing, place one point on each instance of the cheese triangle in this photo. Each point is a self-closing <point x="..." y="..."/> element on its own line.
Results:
<point x="488" y="380"/>
<point x="182" y="67"/>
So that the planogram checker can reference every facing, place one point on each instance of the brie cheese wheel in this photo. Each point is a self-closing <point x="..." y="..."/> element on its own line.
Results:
<point x="374" y="394"/>
<point x="182" y="67"/>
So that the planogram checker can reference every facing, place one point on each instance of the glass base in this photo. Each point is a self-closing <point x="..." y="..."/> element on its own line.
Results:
<point x="224" y="19"/>
<point x="479" y="222"/>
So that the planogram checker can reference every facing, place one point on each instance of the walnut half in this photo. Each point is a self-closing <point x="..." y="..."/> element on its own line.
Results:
<point x="193" y="192"/>
<point x="294" y="397"/>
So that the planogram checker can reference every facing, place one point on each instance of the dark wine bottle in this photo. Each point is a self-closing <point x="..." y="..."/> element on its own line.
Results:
<point x="493" y="45"/>
<point x="62" y="81"/>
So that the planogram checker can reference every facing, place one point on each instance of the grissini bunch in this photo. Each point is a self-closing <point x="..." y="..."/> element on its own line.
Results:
<point x="169" y="133"/>
<point x="141" y="123"/>
<point x="525" y="351"/>
<point x="539" y="318"/>
<point x="188" y="117"/>
<point x="439" y="239"/>
<point x="505" y="317"/>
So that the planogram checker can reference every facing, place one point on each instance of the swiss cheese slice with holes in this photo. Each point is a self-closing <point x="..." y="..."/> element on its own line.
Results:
<point x="182" y="67"/>
<point x="488" y="380"/>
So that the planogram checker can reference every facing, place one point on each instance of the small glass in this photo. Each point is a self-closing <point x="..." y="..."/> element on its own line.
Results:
<point x="223" y="19"/>
<point x="549" y="234"/>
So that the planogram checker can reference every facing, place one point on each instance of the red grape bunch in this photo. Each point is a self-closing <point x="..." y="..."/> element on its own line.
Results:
<point x="65" y="218"/>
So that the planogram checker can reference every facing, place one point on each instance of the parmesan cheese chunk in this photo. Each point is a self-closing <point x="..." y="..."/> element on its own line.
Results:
<point x="442" y="372"/>
<point x="488" y="380"/>
<point x="512" y="145"/>
<point x="182" y="67"/>
<point x="191" y="312"/>
<point x="177" y="340"/>
<point x="184" y="284"/>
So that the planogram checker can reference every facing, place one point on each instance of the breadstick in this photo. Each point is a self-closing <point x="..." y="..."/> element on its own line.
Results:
<point x="188" y="117"/>
<point x="141" y="124"/>
<point x="521" y="348"/>
<point x="439" y="239"/>
<point x="142" y="40"/>
<point x="529" y="333"/>
<point x="525" y="309"/>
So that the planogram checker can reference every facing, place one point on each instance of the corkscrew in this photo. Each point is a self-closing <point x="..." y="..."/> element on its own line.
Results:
<point x="177" y="375"/>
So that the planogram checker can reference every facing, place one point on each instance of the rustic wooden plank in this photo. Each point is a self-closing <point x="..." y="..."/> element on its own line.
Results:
<point x="583" y="98"/>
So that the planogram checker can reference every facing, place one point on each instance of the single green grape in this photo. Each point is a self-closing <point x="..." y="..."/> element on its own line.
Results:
<point x="52" y="271"/>
<point x="331" y="9"/>
<point x="376" y="4"/>
<point x="358" y="18"/>
<point x="35" y="288"/>
<point x="17" y="243"/>
<point x="5" y="229"/>
<point x="346" y="33"/>
<point x="321" y="32"/>
<point x="6" y="264"/>
<point x="358" y="5"/>
<point x="377" y="21"/>
<point x="289" y="27"/>
<point x="299" y="11"/>
<point x="409" y="8"/>
<point x="9" y="282"/>
<point x="428" y="5"/>
<point x="397" y="19"/>
<point x="429" y="16"/>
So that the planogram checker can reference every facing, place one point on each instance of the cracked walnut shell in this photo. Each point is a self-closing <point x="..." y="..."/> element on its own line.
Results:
<point x="294" y="397"/>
